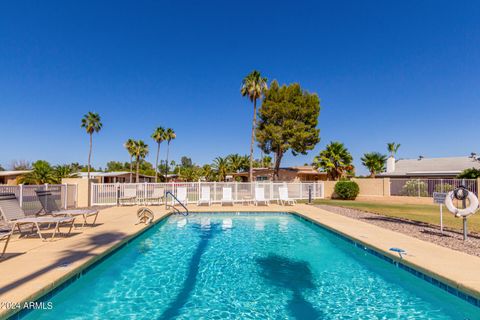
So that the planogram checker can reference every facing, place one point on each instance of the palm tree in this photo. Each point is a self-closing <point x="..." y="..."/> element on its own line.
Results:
<point x="140" y="151"/>
<point x="253" y="86"/>
<point x="336" y="160"/>
<point x="169" y="136"/>
<point x="237" y="162"/>
<point x="42" y="172"/>
<point x="92" y="123"/>
<point x="374" y="162"/>
<point x="129" y="145"/>
<point x="63" y="171"/>
<point x="159" y="136"/>
<point x="267" y="162"/>
<point x="207" y="172"/>
<point x="392" y="147"/>
<point x="221" y="167"/>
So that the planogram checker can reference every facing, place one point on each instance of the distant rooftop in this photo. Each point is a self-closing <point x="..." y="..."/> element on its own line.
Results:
<point x="13" y="172"/>
<point x="449" y="166"/>
<point x="107" y="174"/>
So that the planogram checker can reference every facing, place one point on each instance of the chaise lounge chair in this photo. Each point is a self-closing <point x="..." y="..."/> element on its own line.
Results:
<point x="283" y="195"/>
<point x="227" y="196"/>
<point x="156" y="198"/>
<point x="50" y="207"/>
<point x="129" y="196"/>
<point x="14" y="215"/>
<point x="5" y="236"/>
<point x="205" y="197"/>
<point x="260" y="197"/>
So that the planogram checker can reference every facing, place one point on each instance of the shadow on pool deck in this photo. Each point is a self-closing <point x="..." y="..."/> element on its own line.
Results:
<point x="173" y="310"/>
<point x="295" y="276"/>
<point x="68" y="257"/>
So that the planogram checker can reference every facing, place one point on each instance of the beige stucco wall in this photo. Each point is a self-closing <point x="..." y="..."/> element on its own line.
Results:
<point x="83" y="190"/>
<point x="368" y="187"/>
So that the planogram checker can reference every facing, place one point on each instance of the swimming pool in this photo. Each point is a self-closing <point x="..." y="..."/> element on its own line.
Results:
<point x="248" y="266"/>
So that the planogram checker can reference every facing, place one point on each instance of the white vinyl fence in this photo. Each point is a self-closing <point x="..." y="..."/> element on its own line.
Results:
<point x="109" y="193"/>
<point x="64" y="194"/>
<point x="426" y="187"/>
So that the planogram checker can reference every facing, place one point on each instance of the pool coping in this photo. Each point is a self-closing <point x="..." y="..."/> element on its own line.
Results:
<point x="448" y="285"/>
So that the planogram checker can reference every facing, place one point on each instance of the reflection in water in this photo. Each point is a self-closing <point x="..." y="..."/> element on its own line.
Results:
<point x="227" y="224"/>
<point x="181" y="223"/>
<point x="205" y="223"/>
<point x="295" y="276"/>
<point x="259" y="224"/>
<point x="206" y="233"/>
<point x="283" y="226"/>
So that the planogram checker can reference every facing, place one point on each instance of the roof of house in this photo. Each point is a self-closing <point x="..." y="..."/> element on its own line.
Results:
<point x="13" y="173"/>
<point x="298" y="169"/>
<point x="432" y="166"/>
<point x="108" y="174"/>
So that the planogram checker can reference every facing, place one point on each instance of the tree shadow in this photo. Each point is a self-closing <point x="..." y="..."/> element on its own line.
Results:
<point x="292" y="275"/>
<point x="206" y="234"/>
<point x="68" y="257"/>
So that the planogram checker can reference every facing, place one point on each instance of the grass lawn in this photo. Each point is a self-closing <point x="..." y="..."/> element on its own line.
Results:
<point x="428" y="213"/>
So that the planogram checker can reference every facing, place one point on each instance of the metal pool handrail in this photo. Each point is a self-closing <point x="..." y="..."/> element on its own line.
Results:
<point x="173" y="207"/>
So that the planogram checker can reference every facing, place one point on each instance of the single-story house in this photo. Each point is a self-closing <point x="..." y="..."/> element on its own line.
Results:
<point x="288" y="174"/>
<point x="441" y="168"/>
<point x="113" y="177"/>
<point x="10" y="177"/>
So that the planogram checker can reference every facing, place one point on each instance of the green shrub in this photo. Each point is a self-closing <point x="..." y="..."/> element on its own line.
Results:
<point x="415" y="188"/>
<point x="445" y="188"/>
<point x="346" y="190"/>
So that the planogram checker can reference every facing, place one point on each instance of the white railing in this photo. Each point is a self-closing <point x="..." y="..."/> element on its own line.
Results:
<point x="109" y="193"/>
<point x="426" y="187"/>
<point x="64" y="194"/>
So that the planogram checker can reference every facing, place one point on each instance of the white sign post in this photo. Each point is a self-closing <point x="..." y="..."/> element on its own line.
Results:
<point x="439" y="197"/>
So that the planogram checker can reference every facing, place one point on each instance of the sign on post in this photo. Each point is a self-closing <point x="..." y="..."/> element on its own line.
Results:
<point x="439" y="197"/>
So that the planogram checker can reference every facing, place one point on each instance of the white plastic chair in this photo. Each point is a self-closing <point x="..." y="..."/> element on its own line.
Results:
<point x="260" y="197"/>
<point x="182" y="195"/>
<point x="227" y="196"/>
<point x="155" y="198"/>
<point x="129" y="195"/>
<point x="284" y="199"/>
<point x="205" y="196"/>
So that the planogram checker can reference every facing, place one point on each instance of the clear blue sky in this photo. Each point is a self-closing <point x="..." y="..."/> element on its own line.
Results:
<point x="403" y="71"/>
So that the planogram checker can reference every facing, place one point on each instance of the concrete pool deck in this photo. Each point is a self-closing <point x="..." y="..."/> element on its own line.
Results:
<point x="34" y="267"/>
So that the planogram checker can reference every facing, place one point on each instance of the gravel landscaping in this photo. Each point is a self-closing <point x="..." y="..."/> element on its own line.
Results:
<point x="451" y="238"/>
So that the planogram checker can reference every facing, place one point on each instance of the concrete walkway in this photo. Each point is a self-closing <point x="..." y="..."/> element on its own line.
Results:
<point x="34" y="267"/>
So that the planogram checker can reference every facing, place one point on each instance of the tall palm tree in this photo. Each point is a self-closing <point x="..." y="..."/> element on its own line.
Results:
<point x="129" y="145"/>
<point x="253" y="87"/>
<point x="92" y="123"/>
<point x="140" y="151"/>
<point x="392" y="147"/>
<point x="159" y="136"/>
<point x="169" y="136"/>
<point x="374" y="162"/>
<point x="336" y="160"/>
<point x="221" y="167"/>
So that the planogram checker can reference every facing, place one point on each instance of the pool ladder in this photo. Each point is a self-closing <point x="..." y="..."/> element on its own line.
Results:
<point x="184" y="213"/>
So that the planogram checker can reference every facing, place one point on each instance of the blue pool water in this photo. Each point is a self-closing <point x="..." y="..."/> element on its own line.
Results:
<point x="248" y="266"/>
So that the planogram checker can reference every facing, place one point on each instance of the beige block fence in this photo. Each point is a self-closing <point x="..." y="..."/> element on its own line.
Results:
<point x="368" y="187"/>
<point x="83" y="190"/>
